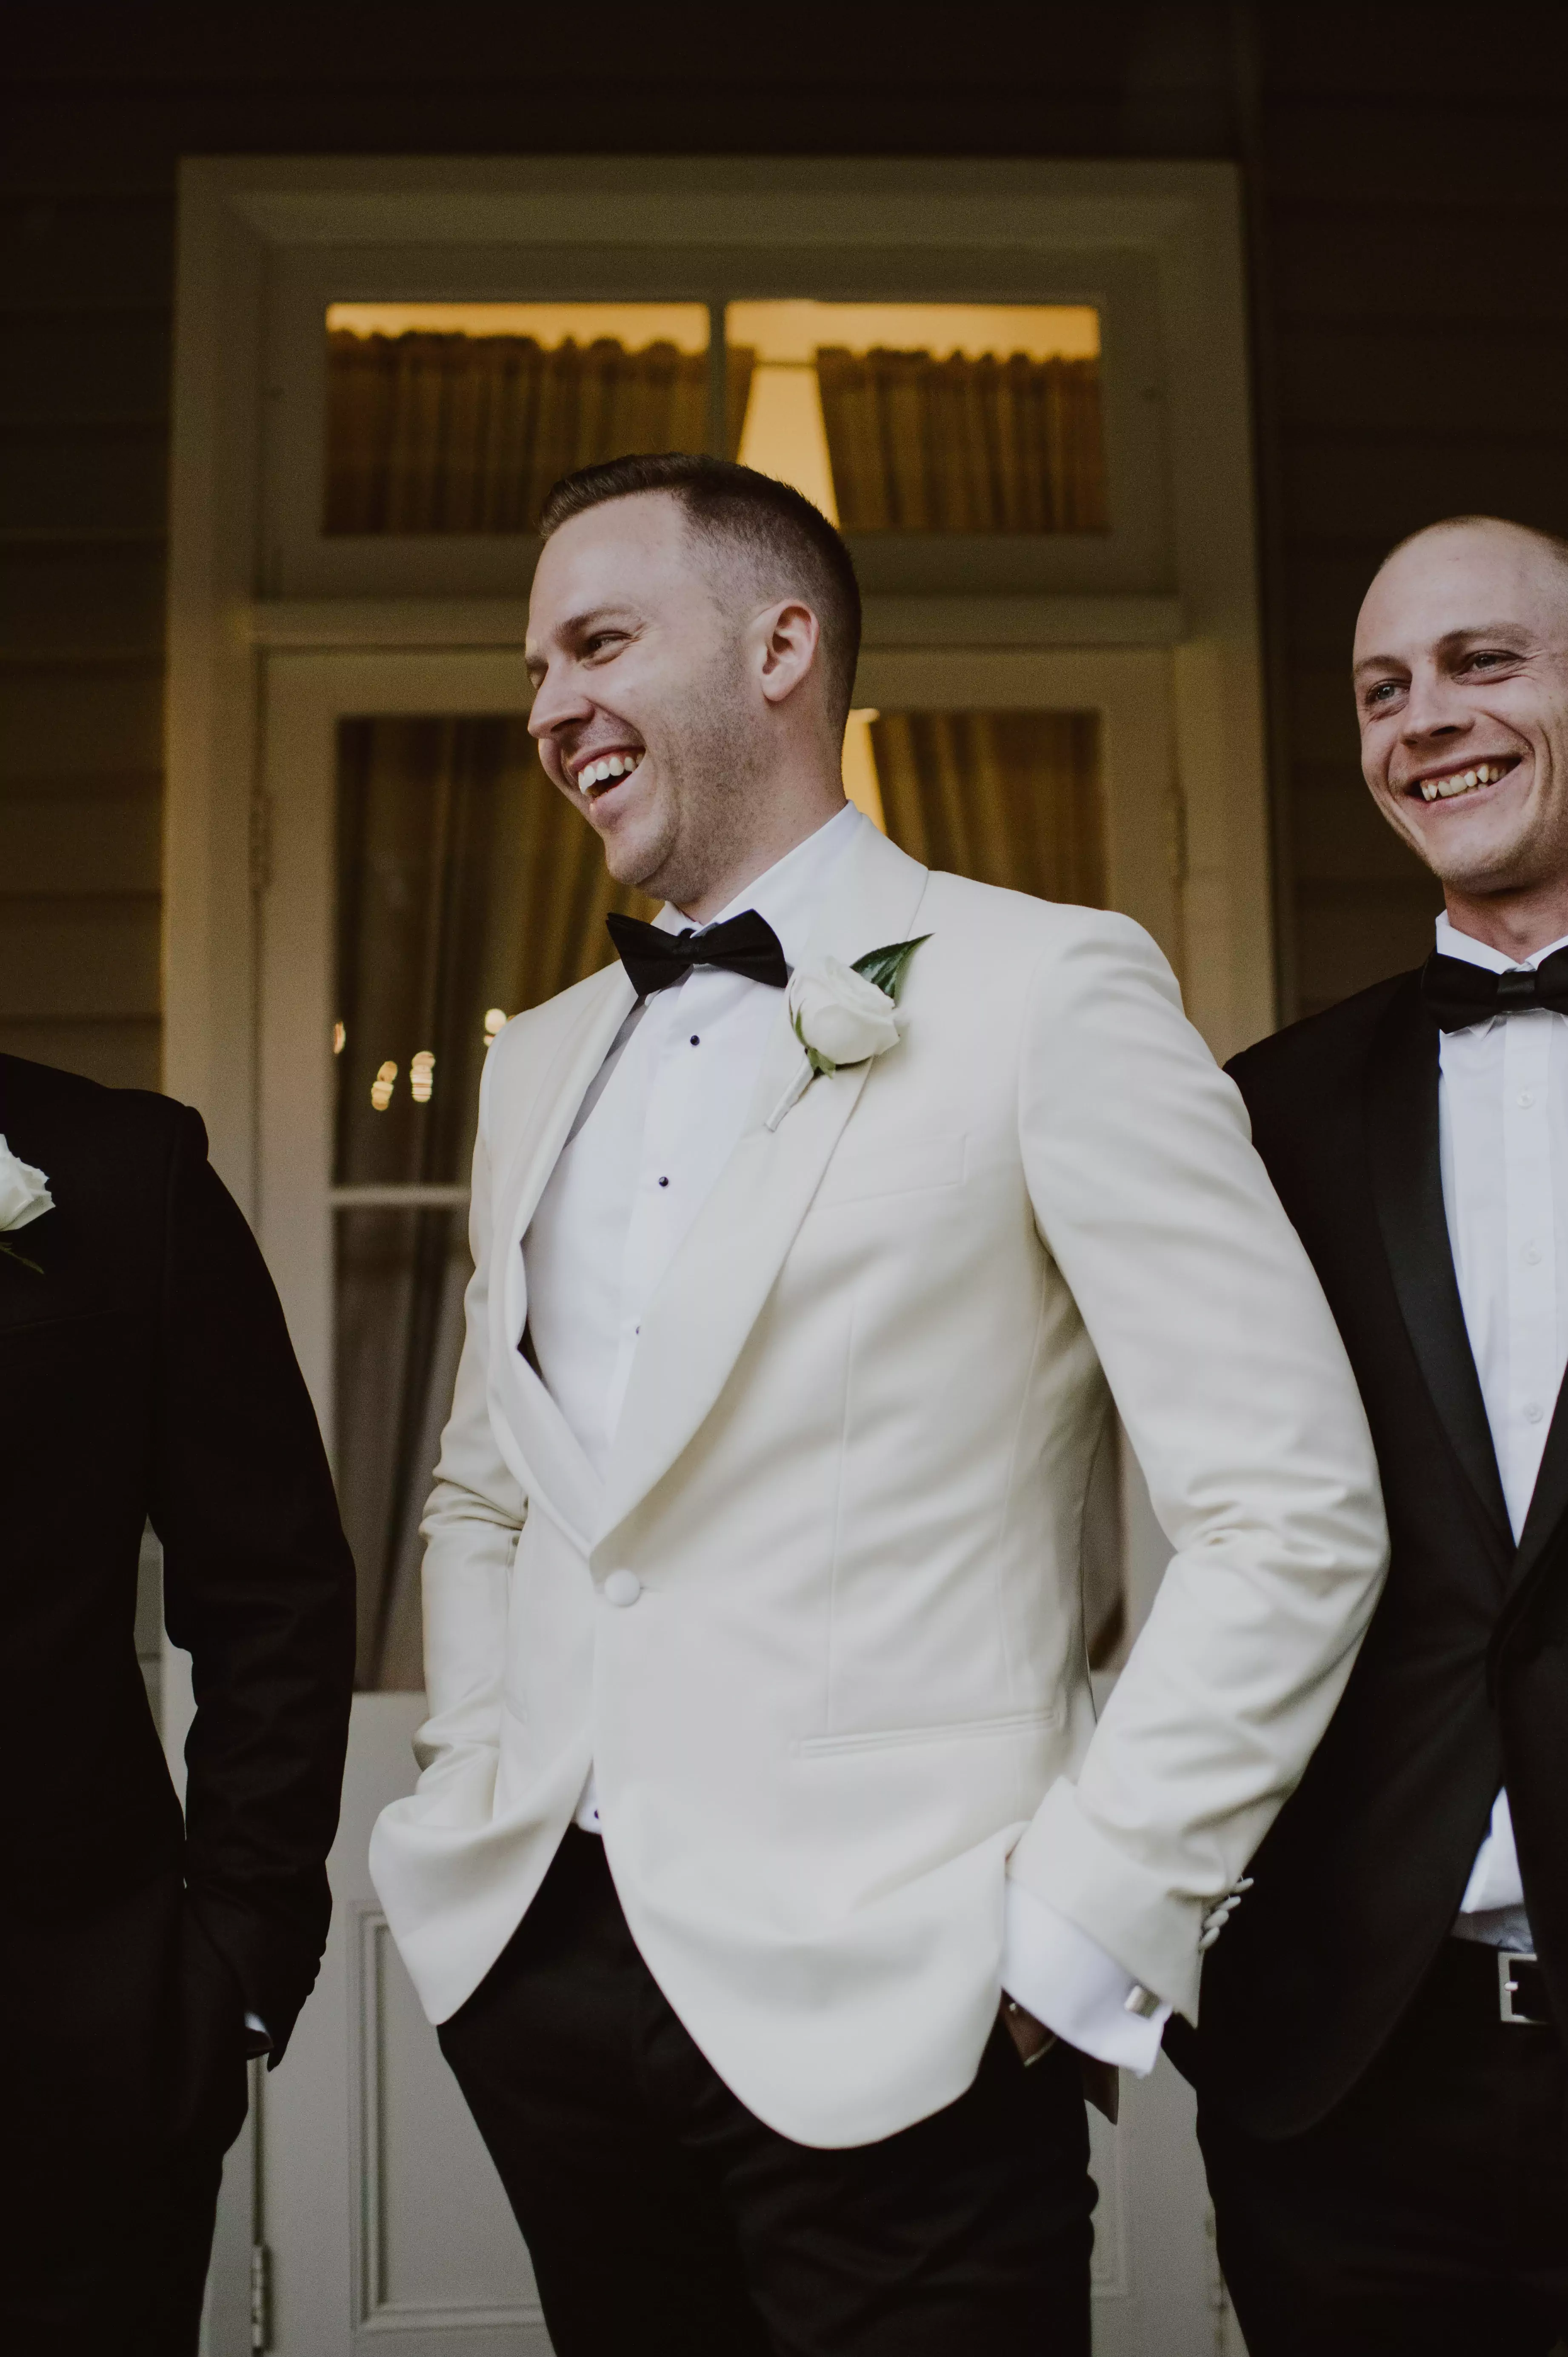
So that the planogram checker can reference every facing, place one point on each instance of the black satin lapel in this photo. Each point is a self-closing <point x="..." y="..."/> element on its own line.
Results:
<point x="1549" y="1499"/>
<point x="1407" y="1188"/>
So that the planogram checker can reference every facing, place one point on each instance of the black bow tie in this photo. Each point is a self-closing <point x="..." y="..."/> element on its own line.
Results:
<point x="1459" y="994"/>
<point x="654" y="959"/>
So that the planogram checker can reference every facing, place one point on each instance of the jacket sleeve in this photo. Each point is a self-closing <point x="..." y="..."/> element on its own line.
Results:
<point x="1236" y="1394"/>
<point x="471" y="1527"/>
<point x="258" y="1588"/>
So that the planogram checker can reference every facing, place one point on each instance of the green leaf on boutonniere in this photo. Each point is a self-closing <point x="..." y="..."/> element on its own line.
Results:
<point x="14" y="1252"/>
<point x="884" y="968"/>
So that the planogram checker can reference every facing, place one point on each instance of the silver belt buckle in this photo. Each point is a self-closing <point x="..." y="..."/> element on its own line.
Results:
<point x="1511" y="1996"/>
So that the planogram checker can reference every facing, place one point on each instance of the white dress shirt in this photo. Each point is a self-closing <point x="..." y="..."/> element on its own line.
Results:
<point x="1503" y="1132"/>
<point x="655" y="1130"/>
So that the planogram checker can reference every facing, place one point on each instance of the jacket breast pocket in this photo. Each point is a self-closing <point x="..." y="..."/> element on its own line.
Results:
<point x="892" y="1166"/>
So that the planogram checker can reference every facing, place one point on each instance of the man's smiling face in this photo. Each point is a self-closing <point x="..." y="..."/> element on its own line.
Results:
<point x="641" y="710"/>
<point x="1461" y="675"/>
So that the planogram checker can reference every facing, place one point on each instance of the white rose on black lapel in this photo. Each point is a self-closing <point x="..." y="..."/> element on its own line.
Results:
<point x="23" y="1197"/>
<point x="844" y="1013"/>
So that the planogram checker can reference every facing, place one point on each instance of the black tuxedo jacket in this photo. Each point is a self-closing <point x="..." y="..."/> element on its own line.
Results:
<point x="1462" y="1682"/>
<point x="146" y="1372"/>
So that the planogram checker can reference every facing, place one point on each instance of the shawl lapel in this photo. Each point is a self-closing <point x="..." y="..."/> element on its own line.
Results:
<point x="531" y="1431"/>
<point x="1407" y="1191"/>
<point x="696" y="1325"/>
<point x="1539" y="1542"/>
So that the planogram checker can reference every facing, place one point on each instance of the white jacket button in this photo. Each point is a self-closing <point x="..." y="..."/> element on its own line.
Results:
<point x="622" y="1587"/>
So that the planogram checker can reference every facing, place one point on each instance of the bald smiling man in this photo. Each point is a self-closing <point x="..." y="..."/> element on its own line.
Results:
<point x="1381" y="2063"/>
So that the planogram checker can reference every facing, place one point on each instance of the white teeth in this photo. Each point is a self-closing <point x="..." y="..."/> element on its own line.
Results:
<point x="600" y="772"/>
<point x="1484" y="773"/>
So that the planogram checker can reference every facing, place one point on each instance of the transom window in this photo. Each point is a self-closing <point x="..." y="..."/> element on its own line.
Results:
<point x="894" y="417"/>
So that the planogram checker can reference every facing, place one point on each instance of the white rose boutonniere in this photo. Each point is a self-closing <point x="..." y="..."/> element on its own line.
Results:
<point x="844" y="1013"/>
<point x="23" y="1197"/>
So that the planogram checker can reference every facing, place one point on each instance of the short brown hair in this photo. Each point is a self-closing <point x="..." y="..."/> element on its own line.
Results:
<point x="774" y="527"/>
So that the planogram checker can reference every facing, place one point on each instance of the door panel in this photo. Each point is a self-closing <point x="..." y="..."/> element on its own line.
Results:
<point x="383" y="2213"/>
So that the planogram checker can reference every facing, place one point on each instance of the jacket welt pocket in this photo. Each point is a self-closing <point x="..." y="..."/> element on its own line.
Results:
<point x="893" y="1169"/>
<point x="953" y="1730"/>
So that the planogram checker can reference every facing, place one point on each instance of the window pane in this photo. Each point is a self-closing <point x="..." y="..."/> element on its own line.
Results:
<point x="400" y="1279"/>
<point x="1010" y="798"/>
<point x="458" y="417"/>
<point x="929" y="417"/>
<point x="468" y="889"/>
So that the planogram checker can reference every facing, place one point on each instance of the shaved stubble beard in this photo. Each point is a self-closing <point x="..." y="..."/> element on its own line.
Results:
<point x="711" y="759"/>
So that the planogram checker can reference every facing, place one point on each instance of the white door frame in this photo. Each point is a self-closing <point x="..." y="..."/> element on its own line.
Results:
<point x="1197" y="876"/>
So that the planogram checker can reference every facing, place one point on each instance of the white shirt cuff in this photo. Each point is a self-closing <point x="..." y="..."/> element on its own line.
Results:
<point x="1066" y="1979"/>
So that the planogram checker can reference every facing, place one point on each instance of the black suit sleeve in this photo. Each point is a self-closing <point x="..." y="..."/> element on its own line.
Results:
<point x="258" y="1587"/>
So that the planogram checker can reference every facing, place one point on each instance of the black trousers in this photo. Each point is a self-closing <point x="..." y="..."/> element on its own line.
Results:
<point x="1427" y="2216"/>
<point x="122" y="2081"/>
<point x="662" y="2216"/>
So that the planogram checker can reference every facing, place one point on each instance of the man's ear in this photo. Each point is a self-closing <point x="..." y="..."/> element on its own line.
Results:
<point x="787" y="638"/>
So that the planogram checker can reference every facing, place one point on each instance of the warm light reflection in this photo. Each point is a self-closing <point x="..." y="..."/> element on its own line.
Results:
<point x="421" y="1077"/>
<point x="635" y="325"/>
<point x="495" y="1020"/>
<point x="381" y="1087"/>
<point x="339" y="1038"/>
<point x="784" y="434"/>
<point x="859" y="779"/>
<point x="796" y="331"/>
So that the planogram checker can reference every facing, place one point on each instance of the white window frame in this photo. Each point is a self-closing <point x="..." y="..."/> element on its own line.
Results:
<point x="259" y="236"/>
<point x="567" y="246"/>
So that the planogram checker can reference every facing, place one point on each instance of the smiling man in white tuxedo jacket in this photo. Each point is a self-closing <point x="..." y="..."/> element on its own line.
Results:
<point x="767" y="1866"/>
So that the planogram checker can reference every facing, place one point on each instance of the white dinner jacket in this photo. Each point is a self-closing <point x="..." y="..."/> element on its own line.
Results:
<point x="848" y="1692"/>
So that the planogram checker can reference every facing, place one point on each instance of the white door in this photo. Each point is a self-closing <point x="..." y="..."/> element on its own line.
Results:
<point x="375" y="2203"/>
<point x="382" y="2211"/>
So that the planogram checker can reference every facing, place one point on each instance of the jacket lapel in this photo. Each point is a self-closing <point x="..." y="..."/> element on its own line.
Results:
<point x="697" y="1322"/>
<point x="1407" y="1189"/>
<point x="1541" y="1542"/>
<point x="531" y="1432"/>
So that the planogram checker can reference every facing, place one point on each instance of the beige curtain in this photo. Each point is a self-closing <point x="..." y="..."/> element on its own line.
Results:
<point x="467" y="434"/>
<point x="919" y="444"/>
<point x="1013" y="797"/>
<point x="1010" y="798"/>
<point x="465" y="882"/>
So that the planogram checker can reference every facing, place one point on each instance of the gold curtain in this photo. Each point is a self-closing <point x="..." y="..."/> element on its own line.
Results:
<point x="467" y="434"/>
<point x="465" y="882"/>
<point x="919" y="444"/>
<point x="1010" y="798"/>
